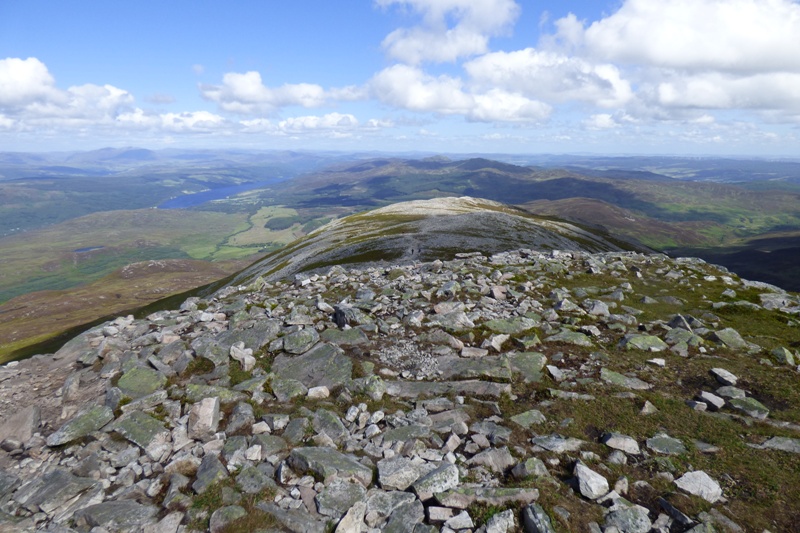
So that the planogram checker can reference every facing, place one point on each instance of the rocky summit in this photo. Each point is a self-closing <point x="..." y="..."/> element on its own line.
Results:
<point x="518" y="391"/>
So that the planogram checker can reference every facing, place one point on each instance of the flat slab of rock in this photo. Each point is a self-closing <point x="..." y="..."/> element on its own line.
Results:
<point x="196" y="393"/>
<point x="82" y="424"/>
<point x="463" y="497"/>
<point x="146" y="432"/>
<point x="700" y="484"/>
<point x="724" y="377"/>
<point x="666" y="445"/>
<point x="511" y="326"/>
<point x="750" y="406"/>
<point x="647" y="343"/>
<point x="571" y="337"/>
<point x="453" y="321"/>
<point x="528" y="364"/>
<point x="558" y="444"/>
<point x="141" y="381"/>
<point x="621" y="442"/>
<point x="117" y="515"/>
<point x="620" y="380"/>
<point x="444" y="477"/>
<point x="339" y="496"/>
<point x="52" y="490"/>
<point x="529" y="418"/>
<point x="455" y="367"/>
<point x="300" y="341"/>
<point x="324" y="364"/>
<point x="398" y="473"/>
<point x="496" y="460"/>
<point x="784" y="444"/>
<point x="416" y="389"/>
<point x="405" y="433"/>
<point x="730" y="338"/>
<point x="713" y="401"/>
<point x="329" y="464"/>
<point x="346" y="337"/>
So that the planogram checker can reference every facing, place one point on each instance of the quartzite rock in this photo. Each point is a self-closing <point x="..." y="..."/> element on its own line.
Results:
<point x="700" y="484"/>
<point x="591" y="484"/>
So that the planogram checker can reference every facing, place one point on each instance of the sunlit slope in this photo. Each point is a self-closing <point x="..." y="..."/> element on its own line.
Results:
<point x="425" y="230"/>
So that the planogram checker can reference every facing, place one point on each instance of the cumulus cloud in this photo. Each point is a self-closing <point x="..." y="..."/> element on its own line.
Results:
<point x="410" y="88"/>
<point x="720" y="35"/>
<point x="245" y="93"/>
<point x="23" y="81"/>
<point x="29" y="95"/>
<point x="715" y="90"/>
<point x="551" y="76"/>
<point x="475" y="21"/>
<point x="185" y="122"/>
<point x="601" y="121"/>
<point x="328" y="125"/>
<point x="331" y="121"/>
<point x="500" y="106"/>
<point x="683" y="56"/>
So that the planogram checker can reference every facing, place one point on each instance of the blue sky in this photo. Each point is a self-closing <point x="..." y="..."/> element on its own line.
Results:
<point x="616" y="77"/>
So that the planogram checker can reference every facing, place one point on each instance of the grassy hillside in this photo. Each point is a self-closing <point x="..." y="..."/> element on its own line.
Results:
<point x="35" y="318"/>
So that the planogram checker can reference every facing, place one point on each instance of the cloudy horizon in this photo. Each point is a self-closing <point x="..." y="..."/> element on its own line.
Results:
<point x="669" y="77"/>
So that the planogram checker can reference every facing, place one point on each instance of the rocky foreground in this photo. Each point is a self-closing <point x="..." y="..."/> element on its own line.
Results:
<point x="518" y="392"/>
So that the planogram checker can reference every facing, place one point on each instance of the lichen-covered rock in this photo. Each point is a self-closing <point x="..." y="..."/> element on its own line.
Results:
<point x="146" y="432"/>
<point x="81" y="425"/>
<point x="750" y="406"/>
<point x="329" y="464"/>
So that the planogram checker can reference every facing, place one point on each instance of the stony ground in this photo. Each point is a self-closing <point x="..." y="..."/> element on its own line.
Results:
<point x="518" y="392"/>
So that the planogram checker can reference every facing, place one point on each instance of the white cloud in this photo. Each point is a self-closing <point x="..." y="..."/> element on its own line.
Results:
<point x="435" y="40"/>
<point x="29" y="95"/>
<point x="332" y="125"/>
<point x="410" y="88"/>
<point x="23" y="81"/>
<point x="601" y="121"/>
<point x="685" y="59"/>
<point x="500" y="106"/>
<point x="714" y="90"/>
<point x="6" y="123"/>
<point x="247" y="94"/>
<point x="185" y="122"/>
<point x="331" y="121"/>
<point x="720" y="35"/>
<point x="198" y="69"/>
<point x="551" y="76"/>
